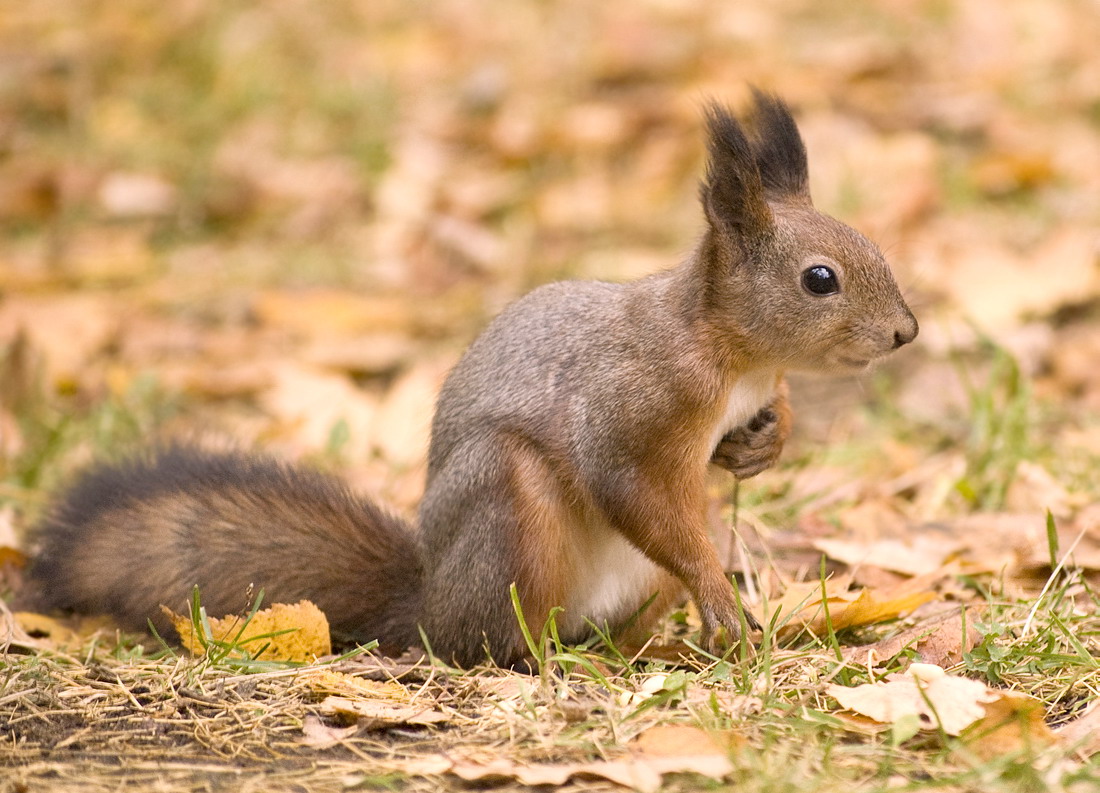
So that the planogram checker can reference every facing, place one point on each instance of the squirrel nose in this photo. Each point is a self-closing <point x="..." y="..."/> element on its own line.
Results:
<point x="906" y="334"/>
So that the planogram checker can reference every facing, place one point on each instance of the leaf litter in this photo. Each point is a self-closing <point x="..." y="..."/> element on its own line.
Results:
<point x="322" y="205"/>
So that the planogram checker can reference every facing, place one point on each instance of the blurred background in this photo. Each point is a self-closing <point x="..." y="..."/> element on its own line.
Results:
<point x="280" y="222"/>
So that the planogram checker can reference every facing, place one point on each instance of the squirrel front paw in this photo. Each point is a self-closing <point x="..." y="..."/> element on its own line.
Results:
<point x="748" y="450"/>
<point x="722" y="627"/>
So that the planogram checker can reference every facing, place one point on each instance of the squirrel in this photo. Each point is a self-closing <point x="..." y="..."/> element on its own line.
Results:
<point x="568" y="455"/>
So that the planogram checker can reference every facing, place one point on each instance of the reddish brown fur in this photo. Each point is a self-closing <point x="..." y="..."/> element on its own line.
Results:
<point x="543" y="568"/>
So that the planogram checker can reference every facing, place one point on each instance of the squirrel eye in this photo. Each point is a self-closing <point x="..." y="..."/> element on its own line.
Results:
<point x="820" y="280"/>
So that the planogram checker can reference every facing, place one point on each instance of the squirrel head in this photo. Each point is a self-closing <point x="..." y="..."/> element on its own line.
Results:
<point x="797" y="288"/>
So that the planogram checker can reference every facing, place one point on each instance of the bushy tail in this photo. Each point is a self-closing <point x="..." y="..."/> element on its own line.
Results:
<point x="130" y="536"/>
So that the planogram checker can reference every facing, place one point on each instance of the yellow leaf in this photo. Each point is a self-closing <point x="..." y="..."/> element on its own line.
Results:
<point x="379" y="714"/>
<point x="847" y="608"/>
<point x="328" y="681"/>
<point x="306" y="636"/>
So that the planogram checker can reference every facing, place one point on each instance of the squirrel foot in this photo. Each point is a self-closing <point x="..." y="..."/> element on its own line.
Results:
<point x="721" y="633"/>
<point x="752" y="448"/>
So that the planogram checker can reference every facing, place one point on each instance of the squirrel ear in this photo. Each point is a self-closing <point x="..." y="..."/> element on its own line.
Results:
<point x="732" y="193"/>
<point x="777" y="148"/>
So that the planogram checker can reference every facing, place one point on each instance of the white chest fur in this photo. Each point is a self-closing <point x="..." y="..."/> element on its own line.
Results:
<point x="613" y="578"/>
<point x="750" y="393"/>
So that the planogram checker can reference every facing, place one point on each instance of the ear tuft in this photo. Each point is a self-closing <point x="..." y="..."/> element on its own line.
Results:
<point x="777" y="147"/>
<point x="732" y="194"/>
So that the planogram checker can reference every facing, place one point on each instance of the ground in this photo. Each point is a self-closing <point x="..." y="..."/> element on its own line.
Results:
<point x="280" y="223"/>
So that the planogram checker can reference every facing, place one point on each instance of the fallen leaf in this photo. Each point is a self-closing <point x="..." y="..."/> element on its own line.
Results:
<point x="992" y="722"/>
<point x="328" y="681"/>
<point x="805" y="607"/>
<point x="937" y="699"/>
<point x="311" y="403"/>
<point x="682" y="748"/>
<point x="373" y="704"/>
<point x="380" y="714"/>
<point x="302" y="628"/>
<point x="663" y="749"/>
<point x="923" y="553"/>
<point x="330" y="312"/>
<point x="69" y="331"/>
<point x="45" y="631"/>
<point x="1034" y="489"/>
<point x="638" y="776"/>
<point x="404" y="418"/>
<point x="1082" y="735"/>
<point x="136" y="195"/>
<point x="936" y="641"/>
<point x="1013" y="722"/>
<point x="318" y="735"/>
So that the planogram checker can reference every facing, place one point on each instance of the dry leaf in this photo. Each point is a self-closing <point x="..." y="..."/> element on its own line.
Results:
<point x="664" y="749"/>
<point x="918" y="555"/>
<point x="380" y="714"/>
<point x="328" y="681"/>
<point x="136" y="195"/>
<point x="991" y="721"/>
<point x="69" y="331"/>
<point x="329" y="312"/>
<point x="846" y="608"/>
<point x="638" y="776"/>
<point x="679" y="748"/>
<point x="373" y="704"/>
<point x="1013" y="722"/>
<point x="310" y="403"/>
<point x="937" y="641"/>
<point x="318" y="735"/>
<point x="936" y="698"/>
<point x="1082" y="734"/>
<point x="404" y="418"/>
<point x="44" y="631"/>
<point x="306" y="637"/>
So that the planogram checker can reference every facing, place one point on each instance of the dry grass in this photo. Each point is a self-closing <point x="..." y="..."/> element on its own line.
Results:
<point x="211" y="211"/>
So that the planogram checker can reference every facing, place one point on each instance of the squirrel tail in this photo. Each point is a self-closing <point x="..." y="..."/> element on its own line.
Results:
<point x="132" y="535"/>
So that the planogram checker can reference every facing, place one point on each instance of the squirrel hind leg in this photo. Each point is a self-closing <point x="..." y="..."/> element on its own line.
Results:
<point x="513" y="521"/>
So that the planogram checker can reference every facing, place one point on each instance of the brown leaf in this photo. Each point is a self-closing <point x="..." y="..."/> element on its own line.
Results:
<point x="1082" y="734"/>
<point x="404" y="418"/>
<point x="923" y="553"/>
<point x="373" y="704"/>
<point x="675" y="740"/>
<point x="41" y="631"/>
<point x="630" y="774"/>
<point x="937" y="641"/>
<point x="136" y="195"/>
<point x="318" y="735"/>
<point x="323" y="680"/>
<point x="310" y="403"/>
<point x="991" y="721"/>
<point x="664" y="749"/>
<point x="331" y="312"/>
<point x="1013" y="722"/>
<point x="68" y="330"/>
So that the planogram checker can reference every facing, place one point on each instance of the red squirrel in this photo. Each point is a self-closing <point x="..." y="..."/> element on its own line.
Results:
<point x="569" y="447"/>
